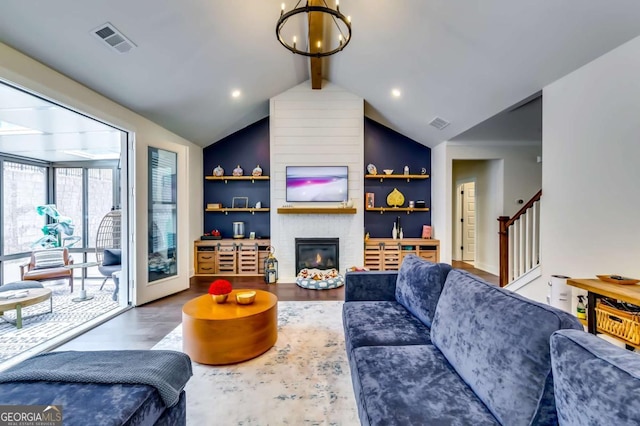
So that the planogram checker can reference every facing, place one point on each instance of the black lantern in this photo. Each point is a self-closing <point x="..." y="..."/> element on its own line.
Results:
<point x="271" y="267"/>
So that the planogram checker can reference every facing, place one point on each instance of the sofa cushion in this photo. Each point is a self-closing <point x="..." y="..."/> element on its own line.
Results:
<point x="498" y="342"/>
<point x="112" y="257"/>
<point x="20" y="285"/>
<point x="50" y="258"/>
<point x="370" y="285"/>
<point x="419" y="286"/>
<point x="595" y="382"/>
<point x="412" y="385"/>
<point x="381" y="323"/>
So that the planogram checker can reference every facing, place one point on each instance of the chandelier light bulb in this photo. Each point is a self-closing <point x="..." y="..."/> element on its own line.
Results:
<point x="294" y="42"/>
<point x="349" y="19"/>
<point x="340" y="39"/>
<point x="338" y="5"/>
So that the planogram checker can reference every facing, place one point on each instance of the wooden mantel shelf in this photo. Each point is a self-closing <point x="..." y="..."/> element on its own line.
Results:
<point x="316" y="210"/>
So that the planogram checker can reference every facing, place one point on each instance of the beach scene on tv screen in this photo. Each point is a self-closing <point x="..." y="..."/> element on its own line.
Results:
<point x="306" y="183"/>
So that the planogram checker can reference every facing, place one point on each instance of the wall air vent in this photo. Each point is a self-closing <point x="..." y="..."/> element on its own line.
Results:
<point x="439" y="123"/>
<point x="113" y="38"/>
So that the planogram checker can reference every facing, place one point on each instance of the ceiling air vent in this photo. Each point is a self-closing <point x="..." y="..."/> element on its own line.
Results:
<point x="439" y="123"/>
<point x="113" y="38"/>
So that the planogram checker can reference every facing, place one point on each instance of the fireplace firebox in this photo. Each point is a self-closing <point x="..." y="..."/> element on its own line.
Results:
<point x="318" y="253"/>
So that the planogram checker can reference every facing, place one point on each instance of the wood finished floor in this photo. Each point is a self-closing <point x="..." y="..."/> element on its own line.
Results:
<point x="144" y="326"/>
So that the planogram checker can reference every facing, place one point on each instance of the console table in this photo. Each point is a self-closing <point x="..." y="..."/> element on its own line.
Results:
<point x="597" y="288"/>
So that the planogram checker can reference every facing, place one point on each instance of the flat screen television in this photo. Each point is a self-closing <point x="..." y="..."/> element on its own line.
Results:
<point x="317" y="183"/>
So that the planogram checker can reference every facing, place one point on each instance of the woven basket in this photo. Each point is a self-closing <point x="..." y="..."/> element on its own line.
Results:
<point x="625" y="325"/>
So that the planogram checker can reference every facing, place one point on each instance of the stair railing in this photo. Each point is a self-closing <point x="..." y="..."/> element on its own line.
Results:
<point x="520" y="241"/>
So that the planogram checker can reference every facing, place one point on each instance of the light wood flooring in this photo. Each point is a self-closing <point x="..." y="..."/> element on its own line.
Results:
<point x="144" y="326"/>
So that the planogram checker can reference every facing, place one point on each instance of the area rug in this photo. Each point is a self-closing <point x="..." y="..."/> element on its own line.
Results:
<point x="303" y="380"/>
<point x="66" y="316"/>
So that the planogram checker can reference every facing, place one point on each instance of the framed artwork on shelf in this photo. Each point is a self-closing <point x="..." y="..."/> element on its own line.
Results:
<point x="370" y="199"/>
<point x="240" y="202"/>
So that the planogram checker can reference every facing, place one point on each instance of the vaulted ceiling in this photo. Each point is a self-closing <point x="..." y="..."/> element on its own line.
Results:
<point x="461" y="60"/>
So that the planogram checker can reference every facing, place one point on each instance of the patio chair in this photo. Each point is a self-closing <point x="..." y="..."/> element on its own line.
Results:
<point x="108" y="244"/>
<point x="48" y="264"/>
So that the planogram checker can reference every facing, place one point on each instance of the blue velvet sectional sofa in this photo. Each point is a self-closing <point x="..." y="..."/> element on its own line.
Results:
<point x="429" y="345"/>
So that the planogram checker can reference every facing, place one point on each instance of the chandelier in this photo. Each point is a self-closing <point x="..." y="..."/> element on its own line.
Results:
<point x="320" y="46"/>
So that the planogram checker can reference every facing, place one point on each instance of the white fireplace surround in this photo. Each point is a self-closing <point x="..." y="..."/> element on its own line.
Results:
<point x="316" y="127"/>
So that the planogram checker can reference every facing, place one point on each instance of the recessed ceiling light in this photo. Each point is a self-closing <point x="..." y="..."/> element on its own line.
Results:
<point x="235" y="94"/>
<point x="396" y="93"/>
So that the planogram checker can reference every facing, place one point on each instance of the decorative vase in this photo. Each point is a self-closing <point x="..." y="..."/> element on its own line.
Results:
<point x="257" y="171"/>
<point x="220" y="298"/>
<point x="218" y="171"/>
<point x="238" y="171"/>
<point x="394" y="231"/>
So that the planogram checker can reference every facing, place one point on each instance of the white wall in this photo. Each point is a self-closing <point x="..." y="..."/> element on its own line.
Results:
<point x="590" y="203"/>
<point x="23" y="71"/>
<point x="316" y="127"/>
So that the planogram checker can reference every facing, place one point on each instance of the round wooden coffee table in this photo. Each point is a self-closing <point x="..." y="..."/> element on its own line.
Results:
<point x="34" y="295"/>
<point x="228" y="333"/>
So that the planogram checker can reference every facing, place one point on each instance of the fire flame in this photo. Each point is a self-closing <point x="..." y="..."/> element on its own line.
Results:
<point x="318" y="259"/>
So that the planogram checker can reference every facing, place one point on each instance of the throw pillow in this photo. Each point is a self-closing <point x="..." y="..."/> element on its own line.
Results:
<point x="419" y="285"/>
<point x="112" y="257"/>
<point x="51" y="258"/>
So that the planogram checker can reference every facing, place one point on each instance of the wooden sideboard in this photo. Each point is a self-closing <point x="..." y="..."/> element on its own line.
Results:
<point x="386" y="254"/>
<point x="230" y="256"/>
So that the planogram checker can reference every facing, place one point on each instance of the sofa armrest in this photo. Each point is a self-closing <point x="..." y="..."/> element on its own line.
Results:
<point x="370" y="286"/>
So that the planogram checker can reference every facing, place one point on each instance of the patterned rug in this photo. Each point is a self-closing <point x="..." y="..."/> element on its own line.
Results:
<point x="66" y="316"/>
<point x="303" y="380"/>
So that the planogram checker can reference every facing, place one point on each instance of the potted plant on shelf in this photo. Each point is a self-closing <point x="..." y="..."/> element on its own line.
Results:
<point x="220" y="290"/>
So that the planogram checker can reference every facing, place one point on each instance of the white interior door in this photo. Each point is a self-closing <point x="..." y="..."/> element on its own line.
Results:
<point x="468" y="197"/>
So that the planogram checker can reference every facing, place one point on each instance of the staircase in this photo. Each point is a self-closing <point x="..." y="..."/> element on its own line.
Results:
<point x="520" y="242"/>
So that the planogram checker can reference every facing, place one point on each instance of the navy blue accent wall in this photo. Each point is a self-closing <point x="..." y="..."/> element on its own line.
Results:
<point x="387" y="149"/>
<point x="247" y="147"/>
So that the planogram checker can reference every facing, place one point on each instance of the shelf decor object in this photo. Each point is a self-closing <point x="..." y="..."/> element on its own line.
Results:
<point x="313" y="48"/>
<point x="617" y="279"/>
<point x="395" y="198"/>
<point x="240" y="202"/>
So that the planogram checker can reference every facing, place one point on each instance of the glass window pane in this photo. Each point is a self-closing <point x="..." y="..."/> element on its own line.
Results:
<point x="24" y="187"/>
<point x="162" y="213"/>
<point x="69" y="198"/>
<point x="11" y="269"/>
<point x="100" y="199"/>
